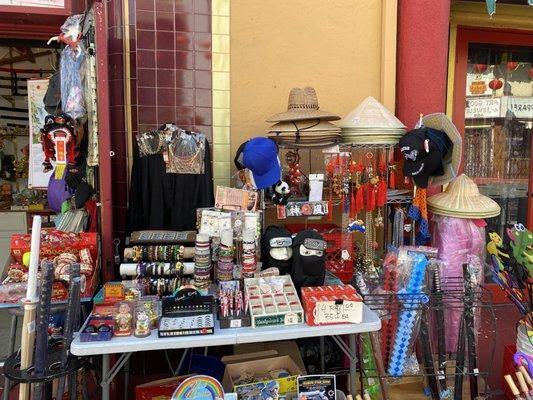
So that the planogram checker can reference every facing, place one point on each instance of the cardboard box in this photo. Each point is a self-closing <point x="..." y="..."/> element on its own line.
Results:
<point x="282" y="348"/>
<point x="259" y="366"/>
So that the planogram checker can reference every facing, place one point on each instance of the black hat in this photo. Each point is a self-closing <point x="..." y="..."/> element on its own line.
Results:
<point x="423" y="150"/>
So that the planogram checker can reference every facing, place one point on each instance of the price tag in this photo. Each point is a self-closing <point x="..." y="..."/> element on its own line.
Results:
<point x="339" y="311"/>
<point x="235" y="323"/>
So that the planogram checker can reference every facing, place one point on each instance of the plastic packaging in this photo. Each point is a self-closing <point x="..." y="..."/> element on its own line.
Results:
<point x="456" y="239"/>
<point x="72" y="93"/>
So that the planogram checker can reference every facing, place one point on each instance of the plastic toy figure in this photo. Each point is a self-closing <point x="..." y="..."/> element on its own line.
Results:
<point x="142" y="323"/>
<point x="357" y="225"/>
<point x="123" y="320"/>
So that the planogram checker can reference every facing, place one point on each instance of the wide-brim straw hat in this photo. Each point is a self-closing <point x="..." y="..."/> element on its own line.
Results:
<point x="303" y="104"/>
<point x="451" y="162"/>
<point x="304" y="126"/>
<point x="462" y="199"/>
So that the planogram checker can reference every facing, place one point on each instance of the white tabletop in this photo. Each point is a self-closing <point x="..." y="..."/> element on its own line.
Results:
<point x="222" y="337"/>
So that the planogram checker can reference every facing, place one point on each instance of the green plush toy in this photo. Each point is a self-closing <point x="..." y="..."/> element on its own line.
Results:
<point x="521" y="244"/>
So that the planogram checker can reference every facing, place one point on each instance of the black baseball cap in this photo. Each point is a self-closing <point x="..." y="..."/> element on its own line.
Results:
<point x="421" y="160"/>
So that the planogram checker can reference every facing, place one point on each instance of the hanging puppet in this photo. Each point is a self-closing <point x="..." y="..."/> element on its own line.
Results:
<point x="59" y="143"/>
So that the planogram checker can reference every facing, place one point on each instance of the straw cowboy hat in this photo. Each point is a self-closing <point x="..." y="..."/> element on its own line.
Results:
<point x="303" y="104"/>
<point x="462" y="199"/>
<point x="450" y="162"/>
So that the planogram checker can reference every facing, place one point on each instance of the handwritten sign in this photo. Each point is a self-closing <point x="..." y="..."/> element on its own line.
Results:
<point x="482" y="108"/>
<point x="346" y="311"/>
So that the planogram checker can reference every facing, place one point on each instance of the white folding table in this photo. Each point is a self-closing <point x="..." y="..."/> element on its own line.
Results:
<point x="125" y="346"/>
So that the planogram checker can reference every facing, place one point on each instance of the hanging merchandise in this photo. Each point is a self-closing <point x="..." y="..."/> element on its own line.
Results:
<point x="418" y="212"/>
<point x="162" y="200"/>
<point x="260" y="156"/>
<point x="71" y="64"/>
<point x="59" y="144"/>
<point x="186" y="153"/>
<point x="295" y="178"/>
<point x="249" y="259"/>
<point x="432" y="152"/>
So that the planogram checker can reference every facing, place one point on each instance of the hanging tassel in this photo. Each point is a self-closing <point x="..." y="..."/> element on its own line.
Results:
<point x="359" y="199"/>
<point x="392" y="177"/>
<point x="353" y="206"/>
<point x="370" y="198"/>
<point x="381" y="197"/>
<point x="330" y="206"/>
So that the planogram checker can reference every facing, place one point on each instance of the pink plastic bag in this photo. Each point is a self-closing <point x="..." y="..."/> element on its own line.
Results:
<point x="455" y="238"/>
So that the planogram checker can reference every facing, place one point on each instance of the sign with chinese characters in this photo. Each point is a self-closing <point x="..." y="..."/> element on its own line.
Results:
<point x="482" y="107"/>
<point x="521" y="107"/>
<point x="303" y="209"/>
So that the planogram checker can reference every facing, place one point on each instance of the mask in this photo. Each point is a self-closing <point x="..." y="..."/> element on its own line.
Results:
<point x="276" y="250"/>
<point x="308" y="263"/>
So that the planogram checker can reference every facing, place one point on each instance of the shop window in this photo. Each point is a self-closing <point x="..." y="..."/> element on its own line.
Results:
<point x="498" y="124"/>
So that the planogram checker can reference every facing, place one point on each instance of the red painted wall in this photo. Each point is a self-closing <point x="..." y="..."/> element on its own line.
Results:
<point x="422" y="59"/>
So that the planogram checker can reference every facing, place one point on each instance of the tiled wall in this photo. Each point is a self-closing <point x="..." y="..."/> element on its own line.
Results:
<point x="173" y="64"/>
<point x="221" y="92"/>
<point x="171" y="78"/>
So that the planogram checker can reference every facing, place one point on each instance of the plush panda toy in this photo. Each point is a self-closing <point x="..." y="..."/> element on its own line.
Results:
<point x="281" y="193"/>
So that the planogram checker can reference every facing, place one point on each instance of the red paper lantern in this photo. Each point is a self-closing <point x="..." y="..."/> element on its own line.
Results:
<point x="495" y="84"/>
<point x="512" y="65"/>
<point x="480" y="68"/>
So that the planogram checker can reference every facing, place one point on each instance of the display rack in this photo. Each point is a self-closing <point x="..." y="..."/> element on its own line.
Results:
<point x="450" y="300"/>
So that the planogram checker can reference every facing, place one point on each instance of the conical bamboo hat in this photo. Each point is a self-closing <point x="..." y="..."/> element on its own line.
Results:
<point x="462" y="199"/>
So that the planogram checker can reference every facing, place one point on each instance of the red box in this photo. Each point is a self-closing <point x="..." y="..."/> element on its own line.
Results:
<point x="334" y="293"/>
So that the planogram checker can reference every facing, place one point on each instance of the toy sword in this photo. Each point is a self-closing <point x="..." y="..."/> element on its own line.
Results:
<point x="460" y="362"/>
<point x="429" y="365"/>
<point x="43" y="320"/>
<point x="71" y="321"/>
<point x="468" y="315"/>
<point x="28" y="323"/>
<point x="439" y="317"/>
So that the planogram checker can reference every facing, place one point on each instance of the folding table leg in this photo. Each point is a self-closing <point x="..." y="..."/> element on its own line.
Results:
<point x="353" y="361"/>
<point x="105" y="373"/>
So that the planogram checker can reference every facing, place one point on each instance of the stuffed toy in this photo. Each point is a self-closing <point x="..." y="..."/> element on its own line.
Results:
<point x="281" y="193"/>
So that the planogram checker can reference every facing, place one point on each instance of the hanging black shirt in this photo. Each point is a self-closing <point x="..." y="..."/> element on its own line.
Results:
<point x="161" y="200"/>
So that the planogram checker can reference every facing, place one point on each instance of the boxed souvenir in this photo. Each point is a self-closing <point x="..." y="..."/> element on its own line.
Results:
<point x="98" y="328"/>
<point x="54" y="243"/>
<point x="232" y="312"/>
<point x="161" y="389"/>
<point x="273" y="301"/>
<point x="161" y="236"/>
<point x="336" y="304"/>
<point x="188" y="313"/>
<point x="252" y="376"/>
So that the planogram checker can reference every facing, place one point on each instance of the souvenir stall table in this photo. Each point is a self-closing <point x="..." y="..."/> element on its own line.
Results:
<point x="125" y="346"/>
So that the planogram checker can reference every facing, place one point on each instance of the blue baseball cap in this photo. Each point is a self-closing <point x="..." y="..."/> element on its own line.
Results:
<point x="260" y="156"/>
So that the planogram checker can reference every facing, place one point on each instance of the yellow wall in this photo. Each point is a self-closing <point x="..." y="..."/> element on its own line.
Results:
<point x="333" y="45"/>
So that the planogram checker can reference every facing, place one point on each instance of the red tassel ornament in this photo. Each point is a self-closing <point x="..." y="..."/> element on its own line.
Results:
<point x="392" y="177"/>
<point x="381" y="196"/>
